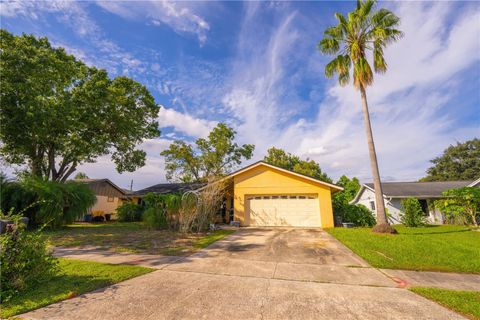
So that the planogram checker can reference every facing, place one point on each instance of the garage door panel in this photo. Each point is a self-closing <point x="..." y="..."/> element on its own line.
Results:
<point x="301" y="211"/>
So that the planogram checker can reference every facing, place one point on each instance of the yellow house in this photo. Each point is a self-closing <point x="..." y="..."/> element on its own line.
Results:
<point x="267" y="195"/>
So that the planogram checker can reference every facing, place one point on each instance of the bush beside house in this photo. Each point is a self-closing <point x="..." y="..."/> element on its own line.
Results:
<point x="412" y="213"/>
<point x="462" y="204"/>
<point x="130" y="212"/>
<point x="46" y="202"/>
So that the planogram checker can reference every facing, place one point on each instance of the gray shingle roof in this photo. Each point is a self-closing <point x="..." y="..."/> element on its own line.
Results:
<point x="418" y="189"/>
<point x="168" y="188"/>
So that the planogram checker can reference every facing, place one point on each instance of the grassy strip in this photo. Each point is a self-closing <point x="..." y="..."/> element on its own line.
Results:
<point x="76" y="277"/>
<point x="132" y="237"/>
<point x="464" y="302"/>
<point x="211" y="238"/>
<point x="432" y="248"/>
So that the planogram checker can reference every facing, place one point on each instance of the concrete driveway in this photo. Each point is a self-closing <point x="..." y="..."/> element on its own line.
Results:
<point x="253" y="274"/>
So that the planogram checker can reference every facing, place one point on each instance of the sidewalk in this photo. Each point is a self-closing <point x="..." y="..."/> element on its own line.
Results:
<point x="445" y="280"/>
<point x="403" y="278"/>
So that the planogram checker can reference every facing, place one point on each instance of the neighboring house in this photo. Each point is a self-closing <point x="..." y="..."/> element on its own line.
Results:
<point x="395" y="192"/>
<point x="265" y="195"/>
<point x="109" y="196"/>
<point x="169" y="188"/>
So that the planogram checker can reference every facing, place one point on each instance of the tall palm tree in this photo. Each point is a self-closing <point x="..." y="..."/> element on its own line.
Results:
<point x="363" y="30"/>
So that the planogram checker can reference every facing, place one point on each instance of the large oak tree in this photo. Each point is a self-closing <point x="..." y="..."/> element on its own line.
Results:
<point x="213" y="156"/>
<point x="57" y="112"/>
<point x="458" y="162"/>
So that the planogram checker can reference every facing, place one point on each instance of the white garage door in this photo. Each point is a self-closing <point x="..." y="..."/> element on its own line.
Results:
<point x="284" y="210"/>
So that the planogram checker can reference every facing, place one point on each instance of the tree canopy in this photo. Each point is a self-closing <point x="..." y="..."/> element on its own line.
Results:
<point x="361" y="31"/>
<point x="214" y="156"/>
<point x="458" y="162"/>
<point x="81" y="175"/>
<point x="350" y="188"/>
<point x="282" y="159"/>
<point x="57" y="112"/>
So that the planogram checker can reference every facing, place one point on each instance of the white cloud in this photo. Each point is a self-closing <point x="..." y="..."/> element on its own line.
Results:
<point x="70" y="13"/>
<point x="184" y="123"/>
<point x="411" y="120"/>
<point x="176" y="15"/>
<point x="152" y="173"/>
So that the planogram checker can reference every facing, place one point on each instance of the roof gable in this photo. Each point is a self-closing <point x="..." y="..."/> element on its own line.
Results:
<point x="98" y="186"/>
<point x="288" y="172"/>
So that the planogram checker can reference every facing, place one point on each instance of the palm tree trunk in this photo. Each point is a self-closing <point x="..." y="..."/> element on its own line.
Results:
<point x="380" y="205"/>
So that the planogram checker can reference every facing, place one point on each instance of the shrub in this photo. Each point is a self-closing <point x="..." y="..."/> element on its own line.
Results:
<point x="24" y="260"/>
<point x="155" y="215"/>
<point x="358" y="214"/>
<point x="462" y="204"/>
<point x="412" y="213"/>
<point x="56" y="203"/>
<point x="130" y="212"/>
<point x="162" y="210"/>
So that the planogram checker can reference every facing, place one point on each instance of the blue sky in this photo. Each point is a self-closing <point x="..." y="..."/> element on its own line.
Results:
<point x="255" y="66"/>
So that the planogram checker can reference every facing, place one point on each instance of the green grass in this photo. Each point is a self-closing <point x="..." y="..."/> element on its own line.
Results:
<point x="211" y="238"/>
<point x="132" y="237"/>
<point x="464" y="302"/>
<point x="432" y="248"/>
<point x="75" y="277"/>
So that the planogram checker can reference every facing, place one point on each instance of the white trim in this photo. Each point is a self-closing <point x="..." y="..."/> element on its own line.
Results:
<point x="286" y="171"/>
<point x="360" y="191"/>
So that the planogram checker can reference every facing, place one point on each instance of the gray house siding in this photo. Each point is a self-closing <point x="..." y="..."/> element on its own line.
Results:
<point x="394" y="207"/>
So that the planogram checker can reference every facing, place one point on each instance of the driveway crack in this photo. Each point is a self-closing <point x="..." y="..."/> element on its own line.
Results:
<point x="264" y="300"/>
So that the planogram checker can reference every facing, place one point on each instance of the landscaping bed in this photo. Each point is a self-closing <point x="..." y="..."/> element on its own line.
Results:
<point x="464" y="302"/>
<point x="75" y="277"/>
<point x="432" y="248"/>
<point x="132" y="237"/>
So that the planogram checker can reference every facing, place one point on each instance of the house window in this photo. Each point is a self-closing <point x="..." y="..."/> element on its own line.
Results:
<point x="110" y="199"/>
<point x="372" y="205"/>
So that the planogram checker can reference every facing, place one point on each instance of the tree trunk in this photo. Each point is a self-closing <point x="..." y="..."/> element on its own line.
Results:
<point x="380" y="205"/>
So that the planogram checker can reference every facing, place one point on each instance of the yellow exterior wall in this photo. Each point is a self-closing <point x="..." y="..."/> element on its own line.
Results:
<point x="103" y="206"/>
<point x="264" y="180"/>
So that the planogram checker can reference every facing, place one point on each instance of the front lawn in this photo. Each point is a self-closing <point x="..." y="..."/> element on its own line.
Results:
<point x="132" y="237"/>
<point x="75" y="277"/>
<point x="432" y="248"/>
<point x="464" y="302"/>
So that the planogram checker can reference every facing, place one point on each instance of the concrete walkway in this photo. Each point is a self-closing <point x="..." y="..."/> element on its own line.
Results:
<point x="252" y="274"/>
<point x="445" y="280"/>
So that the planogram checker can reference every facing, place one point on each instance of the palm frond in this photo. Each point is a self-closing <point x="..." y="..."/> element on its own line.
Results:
<point x="362" y="73"/>
<point x="379" y="63"/>
<point x="361" y="30"/>
<point x="365" y="8"/>
<point x="343" y="22"/>
<point x="341" y="66"/>
<point x="335" y="32"/>
<point x="328" y="46"/>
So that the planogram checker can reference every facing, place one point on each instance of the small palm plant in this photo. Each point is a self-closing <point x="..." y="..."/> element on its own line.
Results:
<point x="363" y="30"/>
